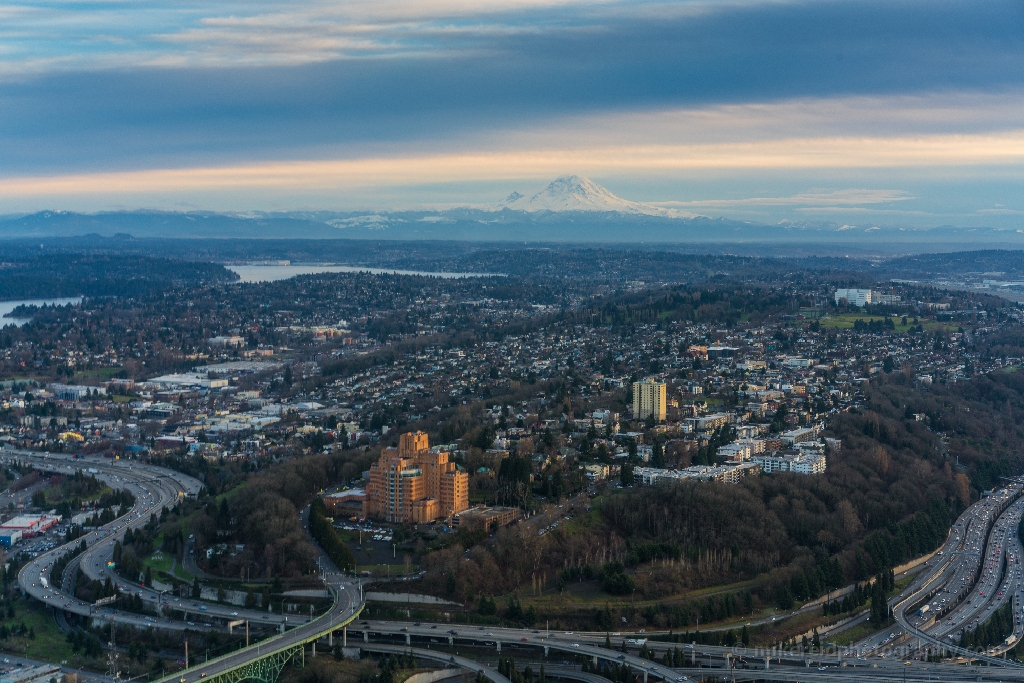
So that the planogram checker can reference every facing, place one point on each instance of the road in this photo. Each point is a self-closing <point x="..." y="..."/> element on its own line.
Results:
<point x="975" y="573"/>
<point x="946" y="580"/>
<point x="481" y="644"/>
<point x="154" y="488"/>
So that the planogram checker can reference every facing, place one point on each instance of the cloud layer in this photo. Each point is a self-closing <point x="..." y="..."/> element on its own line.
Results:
<point x="329" y="102"/>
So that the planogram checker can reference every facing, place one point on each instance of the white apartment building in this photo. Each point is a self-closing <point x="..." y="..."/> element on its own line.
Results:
<point x="800" y="463"/>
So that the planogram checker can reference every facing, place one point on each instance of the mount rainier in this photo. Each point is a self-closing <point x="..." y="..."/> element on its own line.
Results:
<point x="575" y="193"/>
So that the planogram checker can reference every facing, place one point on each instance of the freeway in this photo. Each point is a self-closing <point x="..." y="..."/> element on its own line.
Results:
<point x="999" y="579"/>
<point x="746" y="664"/>
<point x="443" y="657"/>
<point x="950" y="576"/>
<point x="153" y="487"/>
<point x="348" y="603"/>
<point x="969" y="581"/>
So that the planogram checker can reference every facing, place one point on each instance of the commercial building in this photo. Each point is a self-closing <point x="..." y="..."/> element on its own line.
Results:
<point x="649" y="399"/>
<point x="486" y="518"/>
<point x="414" y="484"/>
<point x="29" y="525"/>
<point x="345" y="503"/>
<point x="715" y="352"/>
<point x="9" y="537"/>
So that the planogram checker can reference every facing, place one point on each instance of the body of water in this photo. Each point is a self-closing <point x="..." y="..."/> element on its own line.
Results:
<point x="7" y="306"/>
<point x="265" y="273"/>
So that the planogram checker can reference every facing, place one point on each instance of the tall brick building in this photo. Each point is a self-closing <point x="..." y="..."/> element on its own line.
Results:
<point x="412" y="484"/>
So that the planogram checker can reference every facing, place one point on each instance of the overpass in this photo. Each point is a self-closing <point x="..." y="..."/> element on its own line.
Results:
<point x="264" y="660"/>
<point x="154" y="488"/>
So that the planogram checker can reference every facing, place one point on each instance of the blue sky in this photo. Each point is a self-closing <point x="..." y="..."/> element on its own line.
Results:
<point x="885" y="112"/>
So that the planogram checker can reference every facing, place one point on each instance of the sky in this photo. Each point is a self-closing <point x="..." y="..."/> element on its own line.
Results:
<point x="894" y="113"/>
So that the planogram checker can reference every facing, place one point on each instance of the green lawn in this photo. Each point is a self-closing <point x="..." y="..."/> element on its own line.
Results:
<point x="49" y="644"/>
<point x="854" y="634"/>
<point x="159" y="562"/>
<point x="845" y="321"/>
<point x="165" y="567"/>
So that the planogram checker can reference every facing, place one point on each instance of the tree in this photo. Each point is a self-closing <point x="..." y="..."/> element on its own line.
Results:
<point x="626" y="474"/>
<point x="657" y="455"/>
<point x="486" y="606"/>
<point x="514" y="611"/>
<point x="514" y="480"/>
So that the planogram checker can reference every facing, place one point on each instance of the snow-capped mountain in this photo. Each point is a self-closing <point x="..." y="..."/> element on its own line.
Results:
<point x="574" y="193"/>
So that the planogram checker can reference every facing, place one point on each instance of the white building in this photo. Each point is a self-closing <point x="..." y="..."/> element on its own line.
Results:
<point x="800" y="435"/>
<point x="857" y="297"/>
<point x="74" y="392"/>
<point x="232" y="340"/>
<point x="800" y="463"/>
<point x="707" y="423"/>
<point x="729" y="474"/>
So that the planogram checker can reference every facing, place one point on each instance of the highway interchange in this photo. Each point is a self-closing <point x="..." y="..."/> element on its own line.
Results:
<point x="976" y="571"/>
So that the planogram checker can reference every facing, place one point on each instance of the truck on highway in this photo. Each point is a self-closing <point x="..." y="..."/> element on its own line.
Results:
<point x="924" y="609"/>
<point x="42" y="580"/>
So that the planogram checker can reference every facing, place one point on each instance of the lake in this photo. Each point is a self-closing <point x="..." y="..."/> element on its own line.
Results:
<point x="7" y="306"/>
<point x="265" y="273"/>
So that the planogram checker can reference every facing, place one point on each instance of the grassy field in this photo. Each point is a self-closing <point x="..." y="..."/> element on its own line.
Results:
<point x="854" y="634"/>
<point x="159" y="562"/>
<point x="164" y="567"/>
<point x="845" y="321"/>
<point x="329" y="669"/>
<point x="48" y="643"/>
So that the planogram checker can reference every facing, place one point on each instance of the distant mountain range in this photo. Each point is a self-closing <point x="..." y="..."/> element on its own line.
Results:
<point x="570" y="209"/>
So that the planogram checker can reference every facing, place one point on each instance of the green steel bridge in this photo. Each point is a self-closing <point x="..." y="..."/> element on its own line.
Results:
<point x="264" y="661"/>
